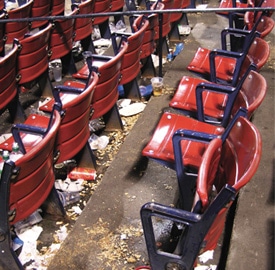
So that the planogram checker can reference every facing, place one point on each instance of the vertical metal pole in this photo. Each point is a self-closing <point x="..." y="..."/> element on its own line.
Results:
<point x="160" y="17"/>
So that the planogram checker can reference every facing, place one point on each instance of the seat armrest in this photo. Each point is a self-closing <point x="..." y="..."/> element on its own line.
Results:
<point x="18" y="128"/>
<point x="215" y="53"/>
<point x="247" y="34"/>
<point x="230" y="91"/>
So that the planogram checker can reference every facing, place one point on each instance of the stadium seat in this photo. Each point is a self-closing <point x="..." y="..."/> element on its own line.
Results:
<point x="40" y="9"/>
<point x="27" y="182"/>
<point x="200" y="229"/>
<point x="33" y="60"/>
<point x="15" y="29"/>
<point x="101" y="6"/>
<point x="226" y="66"/>
<point x="106" y="93"/>
<point x="212" y="102"/>
<point x="75" y="99"/>
<point x="8" y="89"/>
<point x="62" y="40"/>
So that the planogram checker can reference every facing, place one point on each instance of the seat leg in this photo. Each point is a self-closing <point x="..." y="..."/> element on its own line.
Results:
<point x="45" y="85"/>
<point x="113" y="120"/>
<point x="148" y="69"/>
<point x="162" y="46"/>
<point x="86" y="43"/>
<point x="16" y="111"/>
<point x="8" y="258"/>
<point x="53" y="205"/>
<point x="68" y="64"/>
<point x="131" y="90"/>
<point x="85" y="158"/>
<point x="174" y="33"/>
<point x="119" y="17"/>
<point x="105" y="30"/>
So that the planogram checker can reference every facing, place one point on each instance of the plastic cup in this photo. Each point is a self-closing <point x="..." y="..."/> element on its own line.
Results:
<point x="157" y="85"/>
<point x="57" y="72"/>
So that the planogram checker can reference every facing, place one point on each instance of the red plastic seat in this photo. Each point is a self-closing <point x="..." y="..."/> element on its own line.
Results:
<point x="160" y="146"/>
<point x="106" y="93"/>
<point x="75" y="98"/>
<point x="166" y="23"/>
<point x="2" y="4"/>
<point x="15" y="29"/>
<point x="263" y="24"/>
<point x="84" y="26"/>
<point x="234" y="4"/>
<point x="33" y="57"/>
<point x="101" y="6"/>
<point x="40" y="8"/>
<point x="8" y="88"/>
<point x="131" y="62"/>
<point x="203" y="226"/>
<point x="225" y="64"/>
<point x="117" y="5"/>
<point x="26" y="183"/>
<point x="61" y="42"/>
<point x="2" y="35"/>
<point x="149" y="43"/>
<point x="215" y="98"/>
<point x="237" y="167"/>
<point x="58" y="7"/>
<point x="178" y="18"/>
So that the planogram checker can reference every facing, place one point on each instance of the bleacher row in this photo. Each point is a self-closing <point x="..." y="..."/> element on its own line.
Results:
<point x="207" y="136"/>
<point x="60" y="130"/>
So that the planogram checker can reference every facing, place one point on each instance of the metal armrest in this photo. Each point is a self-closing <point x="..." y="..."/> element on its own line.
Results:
<point x="187" y="179"/>
<point x="18" y="128"/>
<point x="231" y="92"/>
<point x="248" y="35"/>
<point x="217" y="52"/>
<point x="190" y="241"/>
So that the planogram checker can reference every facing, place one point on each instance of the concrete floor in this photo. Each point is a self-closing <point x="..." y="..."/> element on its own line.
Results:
<point x="108" y="233"/>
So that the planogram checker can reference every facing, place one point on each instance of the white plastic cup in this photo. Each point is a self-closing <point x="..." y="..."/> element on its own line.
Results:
<point x="157" y="85"/>
<point x="57" y="72"/>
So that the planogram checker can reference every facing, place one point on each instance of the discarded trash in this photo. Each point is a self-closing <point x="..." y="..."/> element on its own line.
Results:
<point x="82" y="173"/>
<point x="68" y="197"/>
<point x="77" y="210"/>
<point x="206" y="267"/>
<point x="170" y="55"/>
<point x="102" y="43"/>
<point x="62" y="169"/>
<point x="157" y="84"/>
<point x="123" y="102"/>
<point x="145" y="91"/>
<point x="17" y="243"/>
<point x="55" y="69"/>
<point x="184" y="29"/>
<point x="118" y="27"/>
<point x="29" y="253"/>
<point x="68" y="185"/>
<point x="4" y="137"/>
<point x="96" y="33"/>
<point x="96" y="124"/>
<point x="132" y="109"/>
<point x="31" y="220"/>
<point x="178" y="49"/>
<point x="207" y="255"/>
<point x="98" y="142"/>
<point x="121" y="90"/>
<point x="62" y="233"/>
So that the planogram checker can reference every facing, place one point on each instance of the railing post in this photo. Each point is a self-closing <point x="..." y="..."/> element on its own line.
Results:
<point x="160" y="17"/>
